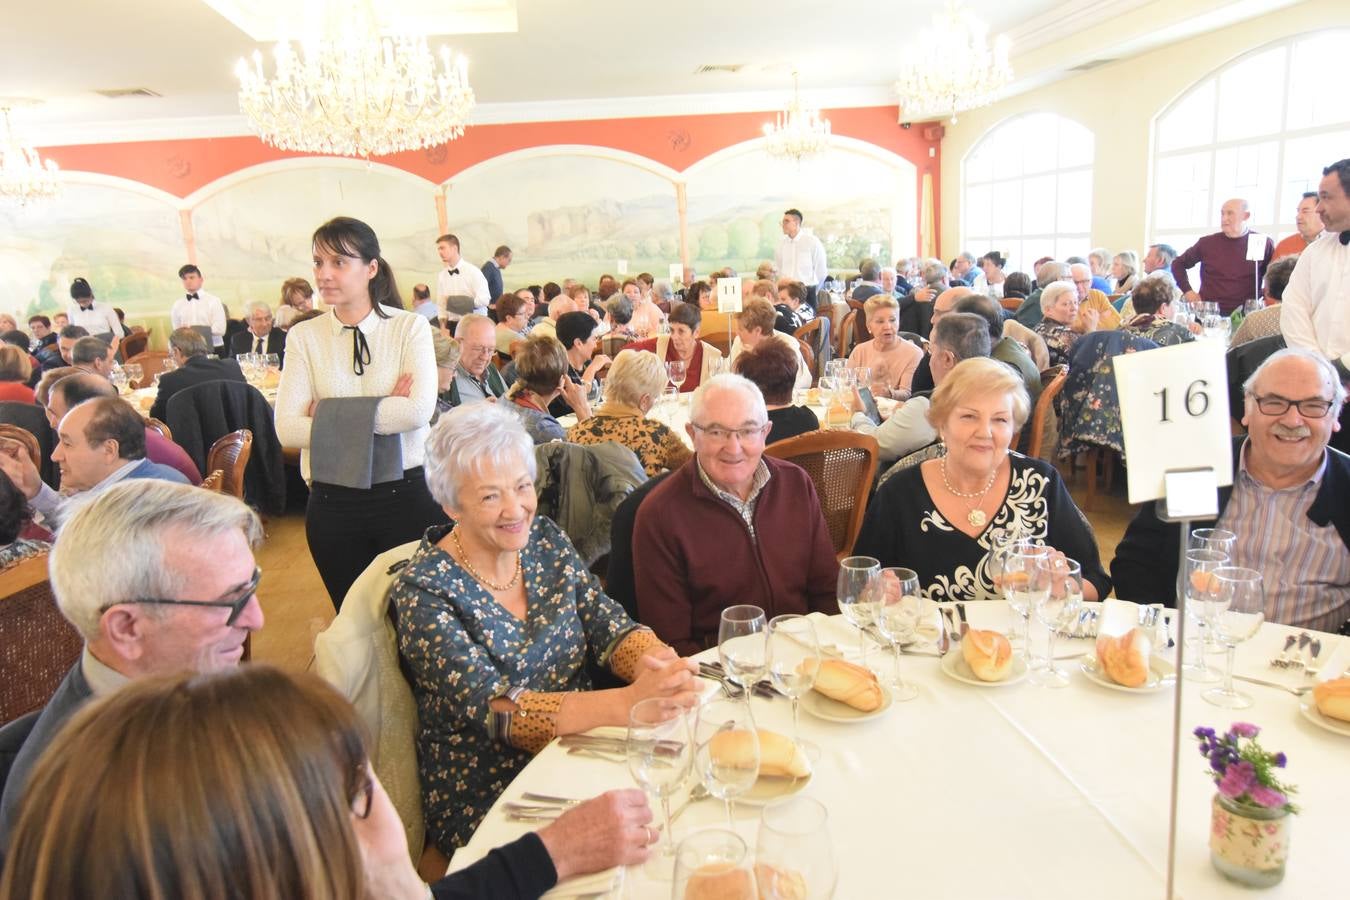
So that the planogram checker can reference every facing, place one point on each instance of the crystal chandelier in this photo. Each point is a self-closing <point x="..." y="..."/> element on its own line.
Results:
<point x="24" y="177"/>
<point x="799" y="133"/>
<point x="353" y="93"/>
<point x="952" y="67"/>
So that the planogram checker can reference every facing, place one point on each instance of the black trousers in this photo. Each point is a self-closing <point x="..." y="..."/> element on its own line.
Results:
<point x="348" y="527"/>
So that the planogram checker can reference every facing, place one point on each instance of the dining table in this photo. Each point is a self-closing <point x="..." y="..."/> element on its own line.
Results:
<point x="1008" y="789"/>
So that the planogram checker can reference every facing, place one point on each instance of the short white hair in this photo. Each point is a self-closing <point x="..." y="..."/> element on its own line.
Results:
<point x="257" y="306"/>
<point x="469" y="321"/>
<point x="1324" y="366"/>
<point x="729" y="381"/>
<point x="634" y="373"/>
<point x="1050" y="296"/>
<point x="111" y="550"/>
<point x="1075" y="268"/>
<point x="1101" y="255"/>
<point x="466" y="438"/>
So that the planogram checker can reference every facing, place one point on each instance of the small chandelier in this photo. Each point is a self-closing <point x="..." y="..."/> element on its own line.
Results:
<point x="799" y="133"/>
<point x="24" y="176"/>
<point x="951" y="67"/>
<point x="353" y="93"/>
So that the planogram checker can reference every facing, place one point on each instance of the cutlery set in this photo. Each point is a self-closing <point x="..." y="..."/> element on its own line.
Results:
<point x="1301" y="651"/>
<point x="715" y="672"/>
<point x="539" y="808"/>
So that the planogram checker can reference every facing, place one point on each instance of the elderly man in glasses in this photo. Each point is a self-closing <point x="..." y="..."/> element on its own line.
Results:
<point x="730" y="526"/>
<point x="127" y="571"/>
<point x="1289" y="505"/>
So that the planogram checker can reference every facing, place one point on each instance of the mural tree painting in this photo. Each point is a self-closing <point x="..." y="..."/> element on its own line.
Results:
<point x="712" y="242"/>
<point x="743" y="237"/>
<point x="770" y="230"/>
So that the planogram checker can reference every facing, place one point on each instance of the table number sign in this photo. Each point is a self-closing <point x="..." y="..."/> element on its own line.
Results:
<point x="676" y="273"/>
<point x="623" y="267"/>
<point x="1256" y="246"/>
<point x="729" y="295"/>
<point x="1174" y="414"/>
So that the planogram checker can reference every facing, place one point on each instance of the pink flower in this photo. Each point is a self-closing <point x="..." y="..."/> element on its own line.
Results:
<point x="1245" y="729"/>
<point x="1267" y="797"/>
<point x="1238" y="780"/>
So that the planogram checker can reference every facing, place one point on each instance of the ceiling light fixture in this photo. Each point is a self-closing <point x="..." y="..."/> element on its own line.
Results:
<point x="355" y="93"/>
<point x="951" y="67"/>
<point x="799" y="133"/>
<point x="24" y="176"/>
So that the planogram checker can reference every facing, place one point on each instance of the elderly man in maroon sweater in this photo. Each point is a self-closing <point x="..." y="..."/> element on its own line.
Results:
<point x="730" y="526"/>
<point x="1227" y="277"/>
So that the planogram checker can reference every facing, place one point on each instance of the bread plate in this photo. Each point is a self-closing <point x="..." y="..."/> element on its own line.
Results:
<point x="822" y="707"/>
<point x="768" y="788"/>
<point x="1308" y="706"/>
<point x="1161" y="675"/>
<point x="954" y="666"/>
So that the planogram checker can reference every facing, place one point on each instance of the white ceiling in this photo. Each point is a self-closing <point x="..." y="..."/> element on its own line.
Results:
<point x="567" y="59"/>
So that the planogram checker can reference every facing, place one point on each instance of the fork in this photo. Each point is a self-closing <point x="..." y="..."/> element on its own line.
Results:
<point x="1312" y="666"/>
<point x="1284" y="660"/>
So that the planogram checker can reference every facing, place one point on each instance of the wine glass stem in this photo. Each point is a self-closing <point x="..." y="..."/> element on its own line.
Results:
<point x="1230" y="651"/>
<point x="727" y="802"/>
<point x="796" y="728"/>
<point x="1050" y="649"/>
<point x="669" y="842"/>
<point x="899" y="679"/>
<point x="862" y="646"/>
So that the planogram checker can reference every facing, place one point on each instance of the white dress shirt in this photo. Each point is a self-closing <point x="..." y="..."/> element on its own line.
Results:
<point x="319" y="366"/>
<point x="205" y="310"/>
<point x="1316" y="304"/>
<point x="98" y="319"/>
<point x="468" y="281"/>
<point x="802" y="258"/>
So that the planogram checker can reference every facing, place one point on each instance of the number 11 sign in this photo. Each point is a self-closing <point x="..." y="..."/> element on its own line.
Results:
<point x="1174" y="414"/>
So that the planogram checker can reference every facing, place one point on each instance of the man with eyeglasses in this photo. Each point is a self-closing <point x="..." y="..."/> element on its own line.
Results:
<point x="476" y="379"/>
<point x="128" y="572"/>
<point x="1289" y="504"/>
<point x="730" y="526"/>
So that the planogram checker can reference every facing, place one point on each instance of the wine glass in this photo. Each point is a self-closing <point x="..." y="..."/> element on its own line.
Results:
<point x="675" y="368"/>
<point x="794" y="859"/>
<point x="726" y="749"/>
<point x="1212" y="539"/>
<point x="595" y="392"/>
<point x="660" y="754"/>
<point x="272" y="361"/>
<point x="794" y="660"/>
<point x="862" y="376"/>
<point x="714" y="863"/>
<point x="1019" y="562"/>
<point x="1057" y="594"/>
<point x="135" y="373"/>
<point x="898" y="609"/>
<point x="1199" y="586"/>
<point x="742" y="645"/>
<point x="857" y="594"/>
<point x="1238" y="606"/>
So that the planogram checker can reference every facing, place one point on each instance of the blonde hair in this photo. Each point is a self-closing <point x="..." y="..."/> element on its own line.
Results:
<point x="238" y="784"/>
<point x="632" y="374"/>
<point x="878" y="302"/>
<point x="758" y="313"/>
<point x="979" y="376"/>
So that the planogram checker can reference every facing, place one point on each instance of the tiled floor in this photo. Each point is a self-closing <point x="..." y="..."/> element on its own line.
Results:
<point x="296" y="606"/>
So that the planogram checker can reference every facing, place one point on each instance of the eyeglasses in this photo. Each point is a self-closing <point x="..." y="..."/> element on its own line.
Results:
<point x="476" y="349"/>
<point x="721" y="435"/>
<point x="365" y="794"/>
<point x="1275" y="405"/>
<point x="235" y="606"/>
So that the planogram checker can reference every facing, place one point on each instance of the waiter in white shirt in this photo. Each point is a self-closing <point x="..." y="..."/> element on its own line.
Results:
<point x="99" y="319"/>
<point x="458" y="279"/>
<point x="1316" y="304"/>
<point x="801" y="255"/>
<point x="199" y="308"/>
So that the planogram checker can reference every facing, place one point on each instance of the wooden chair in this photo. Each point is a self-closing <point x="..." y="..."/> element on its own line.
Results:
<point x="1052" y="382"/>
<point x="151" y="363"/>
<point x="25" y="437"/>
<point x="813" y="333"/>
<point x="719" y="339"/>
<point x="842" y="465"/>
<point x="215" y="481"/>
<point x="37" y="645"/>
<point x="611" y="344"/>
<point x="1010" y="303"/>
<point x="809" y="357"/>
<point x="159" y="426"/>
<point x="230" y="455"/>
<point x="134" y="344"/>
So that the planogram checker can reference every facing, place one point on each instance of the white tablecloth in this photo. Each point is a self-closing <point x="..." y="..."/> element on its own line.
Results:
<point x="1020" y="791"/>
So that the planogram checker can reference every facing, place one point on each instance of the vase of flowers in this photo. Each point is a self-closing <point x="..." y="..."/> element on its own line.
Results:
<point x="1249" y="819"/>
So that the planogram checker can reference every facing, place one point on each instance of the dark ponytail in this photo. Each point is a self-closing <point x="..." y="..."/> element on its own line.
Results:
<point x="80" y="290"/>
<point x="354" y="238"/>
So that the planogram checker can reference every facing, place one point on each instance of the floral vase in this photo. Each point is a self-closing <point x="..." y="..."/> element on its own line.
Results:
<point x="1248" y="844"/>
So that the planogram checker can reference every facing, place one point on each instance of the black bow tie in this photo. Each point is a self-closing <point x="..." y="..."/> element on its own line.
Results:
<point x="86" y="308"/>
<point x="454" y="271"/>
<point x="1345" y="238"/>
<point x="192" y="296"/>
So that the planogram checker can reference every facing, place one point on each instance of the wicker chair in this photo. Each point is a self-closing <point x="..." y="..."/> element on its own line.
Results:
<point x="37" y="645"/>
<point x="842" y="465"/>
<point x="230" y="455"/>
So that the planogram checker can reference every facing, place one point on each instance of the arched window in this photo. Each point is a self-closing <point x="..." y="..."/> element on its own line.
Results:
<point x="1261" y="128"/>
<point x="1028" y="190"/>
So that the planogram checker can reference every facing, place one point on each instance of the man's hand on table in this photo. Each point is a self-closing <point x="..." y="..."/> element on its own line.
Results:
<point x="609" y="830"/>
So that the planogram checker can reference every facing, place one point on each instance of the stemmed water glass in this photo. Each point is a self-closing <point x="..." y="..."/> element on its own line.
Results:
<point x="794" y="859"/>
<point x="1199" y="587"/>
<point x="1238" y="610"/>
<point x="1057" y="595"/>
<point x="714" y="863"/>
<point x="135" y="372"/>
<point x="857" y="594"/>
<point x="676" y="369"/>
<point x="898" y="609"/>
<point x="660" y="754"/>
<point x="726" y="749"/>
<point x="794" y="661"/>
<point x="1020" y="557"/>
<point x="1212" y="539"/>
<point x="742" y="645"/>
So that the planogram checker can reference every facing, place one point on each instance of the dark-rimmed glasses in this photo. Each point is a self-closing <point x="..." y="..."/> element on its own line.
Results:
<point x="235" y="605"/>
<point x="1275" y="405"/>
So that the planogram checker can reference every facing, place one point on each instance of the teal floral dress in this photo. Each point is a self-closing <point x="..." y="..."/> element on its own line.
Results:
<point x="1058" y="340"/>
<point x="462" y="649"/>
<point x="1163" y="332"/>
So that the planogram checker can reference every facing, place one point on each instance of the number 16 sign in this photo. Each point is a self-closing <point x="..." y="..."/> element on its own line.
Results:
<point x="1174" y="414"/>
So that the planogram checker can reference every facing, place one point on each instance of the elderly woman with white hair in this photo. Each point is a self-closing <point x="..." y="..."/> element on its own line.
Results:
<point x="497" y="619"/>
<point x="1060" y="320"/>
<point x="635" y="383"/>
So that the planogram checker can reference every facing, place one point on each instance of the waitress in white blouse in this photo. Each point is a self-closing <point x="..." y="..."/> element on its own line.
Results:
<point x="366" y="346"/>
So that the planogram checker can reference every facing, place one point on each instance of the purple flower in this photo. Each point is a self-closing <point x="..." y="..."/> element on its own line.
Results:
<point x="1245" y="729"/>
<point x="1279" y="760"/>
<point x="1267" y="797"/>
<point x="1238" y="780"/>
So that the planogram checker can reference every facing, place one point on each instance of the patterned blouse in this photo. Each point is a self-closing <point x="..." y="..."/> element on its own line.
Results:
<point x="463" y="649"/>
<point x="903" y="527"/>
<point x="656" y="446"/>
<point x="1161" y="331"/>
<point x="1058" y="340"/>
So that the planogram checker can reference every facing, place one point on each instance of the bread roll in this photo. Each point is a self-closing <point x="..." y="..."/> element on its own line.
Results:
<point x="1333" y="698"/>
<point x="988" y="654"/>
<point x="849" y="683"/>
<point x="1124" y="659"/>
<point x="778" y="756"/>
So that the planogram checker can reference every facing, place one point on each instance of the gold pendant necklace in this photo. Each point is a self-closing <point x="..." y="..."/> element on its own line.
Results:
<point x="975" y="516"/>
<point x="464" y="558"/>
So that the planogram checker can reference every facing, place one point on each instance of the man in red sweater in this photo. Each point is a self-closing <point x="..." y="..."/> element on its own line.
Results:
<point x="1227" y="277"/>
<point x="730" y="526"/>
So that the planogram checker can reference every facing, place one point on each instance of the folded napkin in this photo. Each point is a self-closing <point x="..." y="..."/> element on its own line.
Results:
<point x="339" y="453"/>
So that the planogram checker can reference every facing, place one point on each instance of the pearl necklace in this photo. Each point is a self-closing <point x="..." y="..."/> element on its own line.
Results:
<point x="976" y="515"/>
<point x="464" y="558"/>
